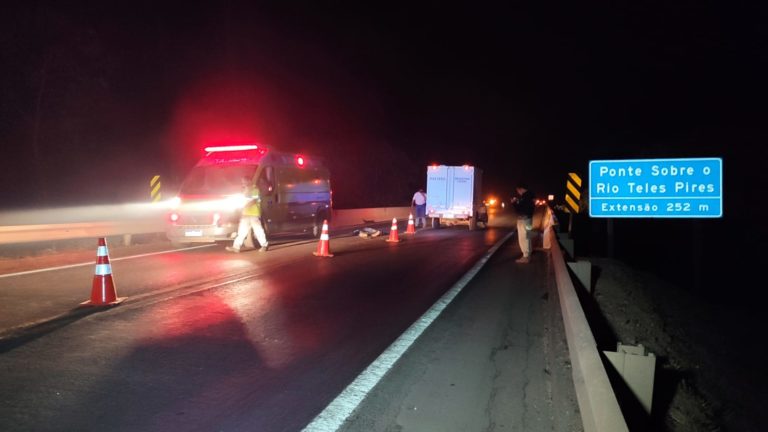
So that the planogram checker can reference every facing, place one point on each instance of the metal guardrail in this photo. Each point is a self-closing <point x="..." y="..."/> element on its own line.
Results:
<point x="600" y="411"/>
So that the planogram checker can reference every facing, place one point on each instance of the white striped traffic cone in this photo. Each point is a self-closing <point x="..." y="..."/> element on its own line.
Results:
<point x="323" y="247"/>
<point x="103" y="292"/>
<point x="411" y="227"/>
<point x="393" y="237"/>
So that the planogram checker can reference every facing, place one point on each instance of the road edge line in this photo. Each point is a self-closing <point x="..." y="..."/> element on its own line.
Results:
<point x="338" y="411"/>
<point x="94" y="261"/>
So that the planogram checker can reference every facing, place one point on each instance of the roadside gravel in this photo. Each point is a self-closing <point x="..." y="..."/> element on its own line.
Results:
<point x="706" y="379"/>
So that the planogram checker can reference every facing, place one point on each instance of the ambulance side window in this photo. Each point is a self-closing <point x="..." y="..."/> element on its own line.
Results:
<point x="266" y="182"/>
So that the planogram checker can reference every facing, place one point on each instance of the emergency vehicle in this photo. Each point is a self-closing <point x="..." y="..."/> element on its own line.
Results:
<point x="453" y="196"/>
<point x="295" y="193"/>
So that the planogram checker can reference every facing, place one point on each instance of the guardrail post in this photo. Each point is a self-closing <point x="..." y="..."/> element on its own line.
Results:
<point x="637" y="368"/>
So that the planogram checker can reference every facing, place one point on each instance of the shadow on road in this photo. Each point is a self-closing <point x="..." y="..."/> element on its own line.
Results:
<point x="20" y="336"/>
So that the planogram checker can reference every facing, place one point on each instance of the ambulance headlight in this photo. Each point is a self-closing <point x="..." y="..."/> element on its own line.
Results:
<point x="235" y="202"/>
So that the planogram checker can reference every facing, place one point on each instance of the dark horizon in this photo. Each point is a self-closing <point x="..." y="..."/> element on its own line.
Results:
<point x="100" y="94"/>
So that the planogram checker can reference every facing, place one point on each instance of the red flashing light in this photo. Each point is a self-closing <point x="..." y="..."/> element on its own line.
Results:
<point x="300" y="160"/>
<point x="231" y="148"/>
<point x="233" y="154"/>
<point x="174" y="217"/>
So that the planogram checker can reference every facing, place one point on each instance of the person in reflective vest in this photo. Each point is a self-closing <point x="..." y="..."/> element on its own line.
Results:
<point x="250" y="219"/>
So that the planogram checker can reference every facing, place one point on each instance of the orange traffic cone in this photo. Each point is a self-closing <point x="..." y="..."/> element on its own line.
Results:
<point x="323" y="249"/>
<point x="393" y="232"/>
<point x="411" y="228"/>
<point x="103" y="292"/>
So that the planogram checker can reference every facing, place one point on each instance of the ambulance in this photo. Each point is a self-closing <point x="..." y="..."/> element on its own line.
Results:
<point x="295" y="193"/>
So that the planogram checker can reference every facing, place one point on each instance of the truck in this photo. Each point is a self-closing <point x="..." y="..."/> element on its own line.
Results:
<point x="453" y="196"/>
<point x="294" y="189"/>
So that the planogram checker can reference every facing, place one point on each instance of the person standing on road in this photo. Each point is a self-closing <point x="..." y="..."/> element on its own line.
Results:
<point x="250" y="218"/>
<point x="420" y="202"/>
<point x="524" y="207"/>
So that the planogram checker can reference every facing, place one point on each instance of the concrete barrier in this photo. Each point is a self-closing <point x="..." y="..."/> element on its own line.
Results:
<point x="600" y="411"/>
<point x="117" y="221"/>
<point x="52" y="232"/>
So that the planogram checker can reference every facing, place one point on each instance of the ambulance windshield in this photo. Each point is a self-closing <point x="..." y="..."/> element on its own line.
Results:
<point x="216" y="179"/>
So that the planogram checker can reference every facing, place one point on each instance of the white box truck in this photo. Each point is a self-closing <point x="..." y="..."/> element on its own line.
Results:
<point x="453" y="196"/>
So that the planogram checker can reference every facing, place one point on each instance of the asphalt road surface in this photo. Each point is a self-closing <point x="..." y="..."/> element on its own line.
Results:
<point x="496" y="360"/>
<point x="213" y="341"/>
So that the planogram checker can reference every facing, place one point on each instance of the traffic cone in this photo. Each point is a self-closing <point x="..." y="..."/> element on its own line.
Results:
<point x="103" y="292"/>
<point x="323" y="247"/>
<point x="393" y="232"/>
<point x="411" y="228"/>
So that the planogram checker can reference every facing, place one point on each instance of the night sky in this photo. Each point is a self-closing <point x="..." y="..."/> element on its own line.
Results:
<point x="97" y="97"/>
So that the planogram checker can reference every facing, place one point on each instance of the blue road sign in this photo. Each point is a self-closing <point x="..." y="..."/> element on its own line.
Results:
<point x="656" y="188"/>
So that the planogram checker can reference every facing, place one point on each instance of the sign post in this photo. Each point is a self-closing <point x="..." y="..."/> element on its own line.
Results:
<point x="656" y="188"/>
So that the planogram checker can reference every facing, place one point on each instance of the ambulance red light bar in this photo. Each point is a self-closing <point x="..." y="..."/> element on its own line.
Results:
<point x="231" y="148"/>
<point x="300" y="160"/>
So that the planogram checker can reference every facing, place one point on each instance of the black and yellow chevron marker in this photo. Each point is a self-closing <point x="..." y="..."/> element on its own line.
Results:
<point x="573" y="193"/>
<point x="154" y="188"/>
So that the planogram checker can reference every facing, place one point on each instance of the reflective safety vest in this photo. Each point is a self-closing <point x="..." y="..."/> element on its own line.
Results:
<point x="252" y="207"/>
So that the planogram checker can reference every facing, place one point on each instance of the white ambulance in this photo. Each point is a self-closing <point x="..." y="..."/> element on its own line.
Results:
<point x="295" y="193"/>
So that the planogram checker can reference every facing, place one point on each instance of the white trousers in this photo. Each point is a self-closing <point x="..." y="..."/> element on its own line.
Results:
<point x="524" y="227"/>
<point x="246" y="224"/>
<point x="548" y="235"/>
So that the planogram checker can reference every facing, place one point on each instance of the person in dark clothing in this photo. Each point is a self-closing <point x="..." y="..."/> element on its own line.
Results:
<point x="524" y="206"/>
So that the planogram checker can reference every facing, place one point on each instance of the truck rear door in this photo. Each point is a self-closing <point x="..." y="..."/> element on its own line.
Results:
<point x="437" y="189"/>
<point x="463" y="188"/>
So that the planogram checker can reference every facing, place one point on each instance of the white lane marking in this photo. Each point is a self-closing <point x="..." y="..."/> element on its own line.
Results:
<point x="337" y="412"/>
<point x="93" y="263"/>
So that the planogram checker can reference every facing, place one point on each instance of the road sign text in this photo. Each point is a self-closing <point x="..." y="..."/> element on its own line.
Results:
<point x="656" y="188"/>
